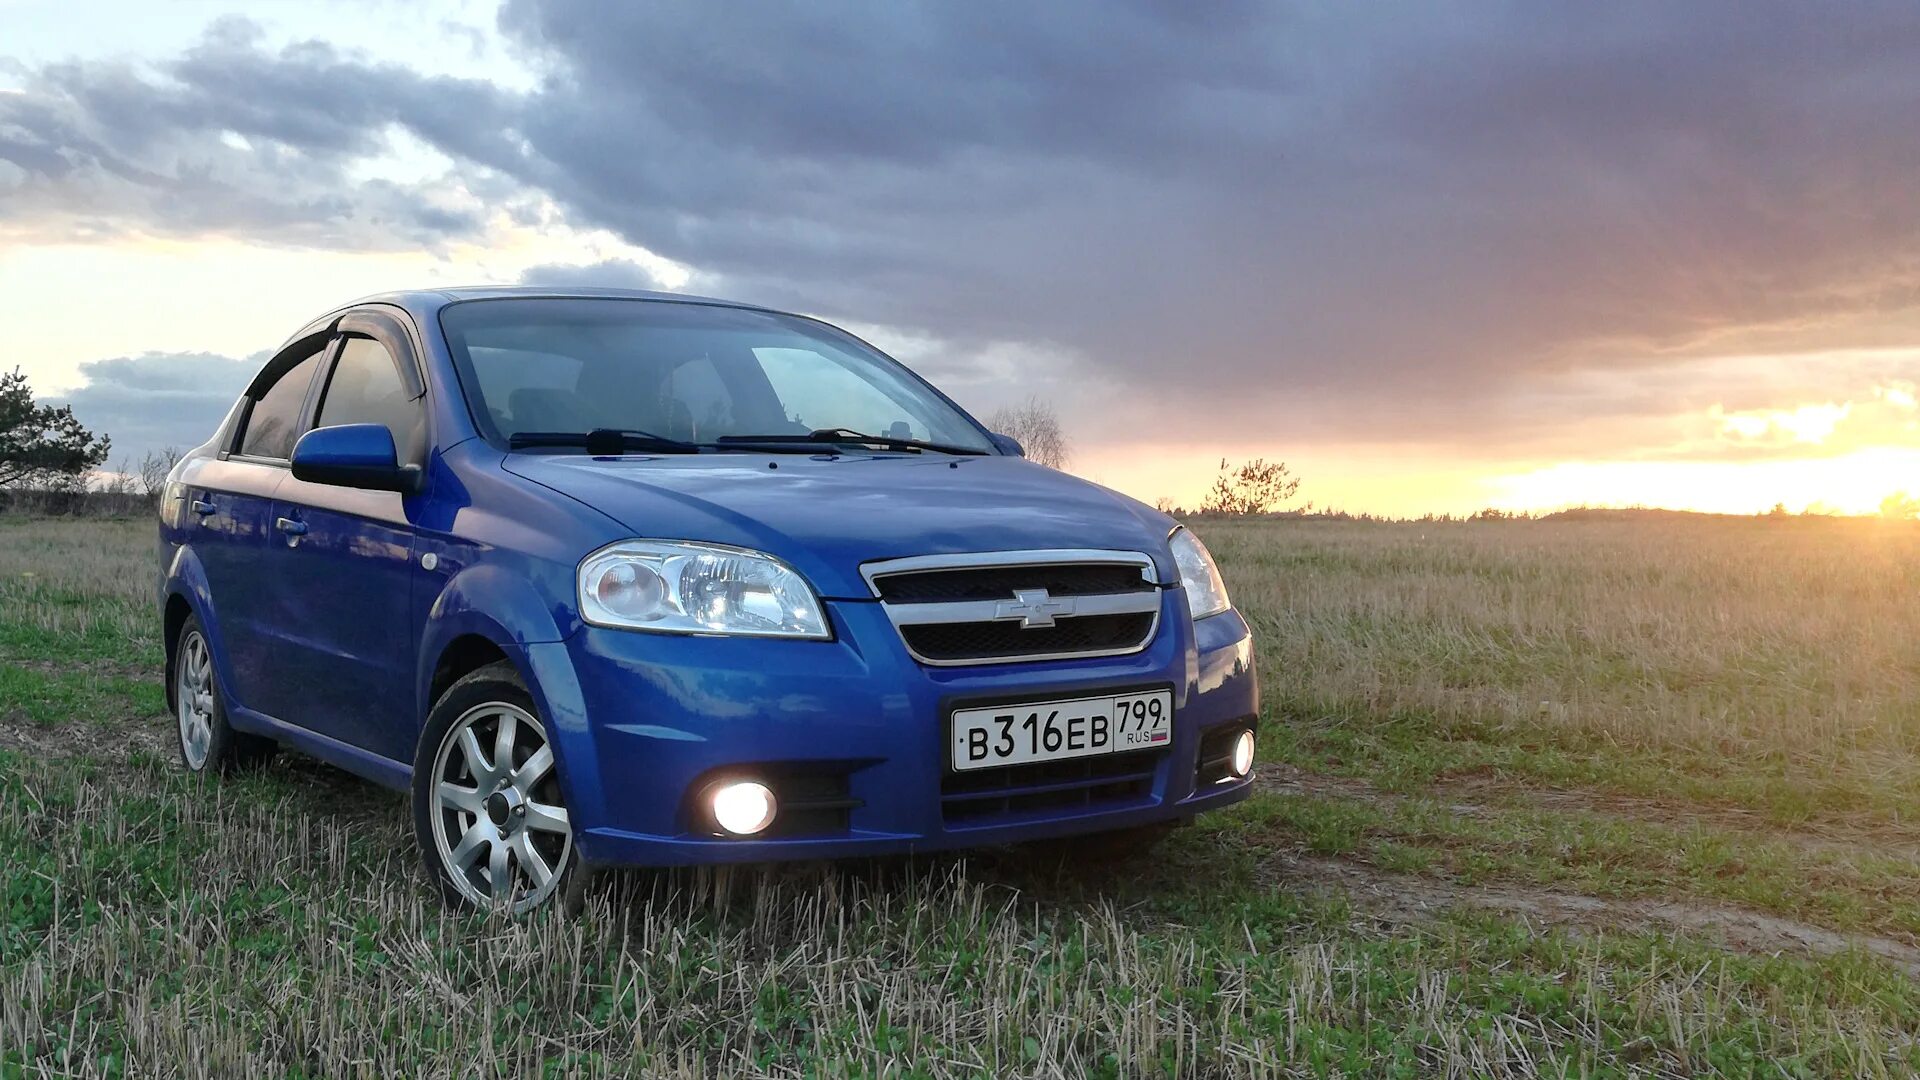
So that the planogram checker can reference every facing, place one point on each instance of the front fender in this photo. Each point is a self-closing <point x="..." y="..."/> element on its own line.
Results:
<point x="483" y="601"/>
<point x="505" y="609"/>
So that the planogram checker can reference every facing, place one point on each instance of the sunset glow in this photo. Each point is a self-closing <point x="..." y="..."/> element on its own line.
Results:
<point x="1557" y="307"/>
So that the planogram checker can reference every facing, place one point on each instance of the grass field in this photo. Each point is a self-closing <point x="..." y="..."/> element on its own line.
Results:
<point x="1539" y="798"/>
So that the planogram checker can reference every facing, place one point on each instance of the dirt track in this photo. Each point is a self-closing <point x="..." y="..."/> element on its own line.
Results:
<point x="1401" y="898"/>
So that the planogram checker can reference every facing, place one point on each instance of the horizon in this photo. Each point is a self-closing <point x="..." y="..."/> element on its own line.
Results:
<point x="1496" y="259"/>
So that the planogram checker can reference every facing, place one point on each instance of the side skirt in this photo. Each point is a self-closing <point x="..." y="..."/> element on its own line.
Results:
<point x="381" y="770"/>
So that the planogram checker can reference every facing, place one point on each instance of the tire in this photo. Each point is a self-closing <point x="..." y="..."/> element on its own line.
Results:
<point x="488" y="812"/>
<point x="208" y="744"/>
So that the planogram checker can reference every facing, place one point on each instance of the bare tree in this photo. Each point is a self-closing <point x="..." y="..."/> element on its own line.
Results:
<point x="154" y="469"/>
<point x="120" y="480"/>
<point x="1257" y="487"/>
<point x="1037" y="427"/>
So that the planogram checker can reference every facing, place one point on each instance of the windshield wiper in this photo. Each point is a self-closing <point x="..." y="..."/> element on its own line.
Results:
<point x="611" y="442"/>
<point x="848" y="436"/>
<point x="603" y="442"/>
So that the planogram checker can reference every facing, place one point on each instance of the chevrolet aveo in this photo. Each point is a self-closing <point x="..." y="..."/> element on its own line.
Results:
<point x="609" y="577"/>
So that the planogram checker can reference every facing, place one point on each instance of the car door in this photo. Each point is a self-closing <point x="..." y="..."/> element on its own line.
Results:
<point x="230" y="518"/>
<point x="345" y="559"/>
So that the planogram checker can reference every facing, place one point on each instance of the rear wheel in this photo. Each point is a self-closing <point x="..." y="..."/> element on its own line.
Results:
<point x="207" y="742"/>
<point x="492" y="825"/>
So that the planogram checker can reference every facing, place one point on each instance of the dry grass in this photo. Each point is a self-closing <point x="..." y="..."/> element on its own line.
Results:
<point x="1786" y="646"/>
<point x="274" y="924"/>
<point x="80" y="583"/>
<point x="225" y="930"/>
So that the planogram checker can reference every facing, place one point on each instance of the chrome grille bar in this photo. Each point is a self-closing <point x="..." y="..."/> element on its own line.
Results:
<point x="982" y="631"/>
<point x="970" y="611"/>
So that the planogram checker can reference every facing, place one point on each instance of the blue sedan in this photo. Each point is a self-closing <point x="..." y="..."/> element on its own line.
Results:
<point x="608" y="577"/>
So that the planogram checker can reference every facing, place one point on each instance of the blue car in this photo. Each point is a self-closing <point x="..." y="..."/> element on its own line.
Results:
<point x="607" y="577"/>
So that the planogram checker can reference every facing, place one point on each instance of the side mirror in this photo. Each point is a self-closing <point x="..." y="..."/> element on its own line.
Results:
<point x="355" y="456"/>
<point x="1006" y="444"/>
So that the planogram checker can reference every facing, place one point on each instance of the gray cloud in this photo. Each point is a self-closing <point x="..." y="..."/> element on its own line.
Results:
<point x="1329" y="201"/>
<point x="1369" y="222"/>
<point x="607" y="273"/>
<point x="232" y="139"/>
<point x="158" y="400"/>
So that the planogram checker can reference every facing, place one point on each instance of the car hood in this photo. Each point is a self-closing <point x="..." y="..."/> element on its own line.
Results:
<point x="826" y="514"/>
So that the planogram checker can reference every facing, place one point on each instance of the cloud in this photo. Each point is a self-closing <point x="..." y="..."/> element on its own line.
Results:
<point x="230" y="139"/>
<point x="606" y="274"/>
<point x="158" y="400"/>
<point x="1247" y="219"/>
<point x="1254" y="193"/>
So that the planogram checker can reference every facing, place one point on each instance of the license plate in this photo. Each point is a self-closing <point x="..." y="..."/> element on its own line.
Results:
<point x="1052" y="730"/>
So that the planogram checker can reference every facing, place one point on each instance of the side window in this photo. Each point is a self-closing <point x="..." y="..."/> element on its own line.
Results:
<point x="365" y="388"/>
<point x="275" y="417"/>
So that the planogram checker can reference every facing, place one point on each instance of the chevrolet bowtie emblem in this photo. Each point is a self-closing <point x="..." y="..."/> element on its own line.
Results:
<point x="1033" y="607"/>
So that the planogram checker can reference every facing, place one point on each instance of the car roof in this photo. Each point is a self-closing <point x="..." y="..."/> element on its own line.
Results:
<point x="433" y="298"/>
<point x="426" y="303"/>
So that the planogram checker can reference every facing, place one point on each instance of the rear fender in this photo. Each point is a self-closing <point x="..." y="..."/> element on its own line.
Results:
<point x="186" y="578"/>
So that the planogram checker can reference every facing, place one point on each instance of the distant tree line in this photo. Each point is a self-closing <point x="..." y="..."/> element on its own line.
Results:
<point x="50" y="462"/>
<point x="1257" y="487"/>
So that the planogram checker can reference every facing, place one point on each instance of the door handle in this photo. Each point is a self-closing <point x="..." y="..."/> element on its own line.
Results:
<point x="291" y="527"/>
<point x="202" y="507"/>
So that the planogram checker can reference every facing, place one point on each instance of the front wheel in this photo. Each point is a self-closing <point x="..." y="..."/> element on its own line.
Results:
<point x="488" y="813"/>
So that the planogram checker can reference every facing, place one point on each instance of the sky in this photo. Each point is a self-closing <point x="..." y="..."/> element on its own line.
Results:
<point x="1434" y="257"/>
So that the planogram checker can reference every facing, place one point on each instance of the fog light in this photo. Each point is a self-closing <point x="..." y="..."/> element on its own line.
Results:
<point x="1242" y="761"/>
<point x="744" y="808"/>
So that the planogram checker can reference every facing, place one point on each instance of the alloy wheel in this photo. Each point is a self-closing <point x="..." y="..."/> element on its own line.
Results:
<point x="501" y="831"/>
<point x="193" y="700"/>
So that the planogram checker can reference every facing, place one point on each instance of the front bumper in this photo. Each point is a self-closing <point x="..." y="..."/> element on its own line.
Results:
<point x="642" y="721"/>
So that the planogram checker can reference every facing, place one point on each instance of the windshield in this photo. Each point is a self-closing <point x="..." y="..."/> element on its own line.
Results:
<point x="696" y="373"/>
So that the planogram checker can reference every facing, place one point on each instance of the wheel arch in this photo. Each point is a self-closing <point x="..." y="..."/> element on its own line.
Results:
<point x="461" y="657"/>
<point x="185" y="594"/>
<point x="489" y="612"/>
<point x="172" y="618"/>
<point x="482" y="615"/>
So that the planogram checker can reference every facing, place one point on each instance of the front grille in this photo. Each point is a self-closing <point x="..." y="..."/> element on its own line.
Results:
<point x="1009" y="606"/>
<point x="1106" y="782"/>
<point x="1002" y="582"/>
<point x="963" y="641"/>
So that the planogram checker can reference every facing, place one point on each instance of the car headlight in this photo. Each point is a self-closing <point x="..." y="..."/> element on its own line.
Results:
<point x="1206" y="593"/>
<point x="680" y="587"/>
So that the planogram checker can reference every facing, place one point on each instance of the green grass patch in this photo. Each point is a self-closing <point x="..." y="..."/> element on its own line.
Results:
<point x="275" y="923"/>
<point x="51" y="698"/>
<point x="1594" y="854"/>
